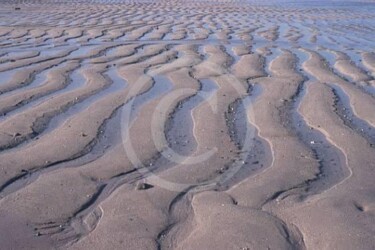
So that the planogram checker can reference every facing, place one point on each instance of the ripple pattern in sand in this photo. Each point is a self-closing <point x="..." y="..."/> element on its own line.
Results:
<point x="186" y="125"/>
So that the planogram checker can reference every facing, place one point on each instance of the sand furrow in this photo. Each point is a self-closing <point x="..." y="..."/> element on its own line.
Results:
<point x="113" y="183"/>
<point x="38" y="60"/>
<point x="87" y="139"/>
<point x="362" y="103"/>
<point x="334" y="128"/>
<point x="55" y="80"/>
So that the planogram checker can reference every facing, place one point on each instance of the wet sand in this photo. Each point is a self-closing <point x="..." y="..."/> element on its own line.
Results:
<point x="187" y="125"/>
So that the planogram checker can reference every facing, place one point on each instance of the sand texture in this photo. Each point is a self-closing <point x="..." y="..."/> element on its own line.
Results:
<point x="187" y="125"/>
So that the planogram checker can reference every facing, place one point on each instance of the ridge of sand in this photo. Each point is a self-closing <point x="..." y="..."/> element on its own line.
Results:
<point x="187" y="125"/>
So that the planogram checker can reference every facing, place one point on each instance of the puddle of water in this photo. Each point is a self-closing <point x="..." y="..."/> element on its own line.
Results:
<point x="302" y="57"/>
<point x="5" y="76"/>
<point x="16" y="54"/>
<point x="306" y="33"/>
<point x="283" y="31"/>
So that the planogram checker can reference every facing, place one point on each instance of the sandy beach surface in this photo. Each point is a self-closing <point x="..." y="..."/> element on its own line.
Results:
<point x="187" y="125"/>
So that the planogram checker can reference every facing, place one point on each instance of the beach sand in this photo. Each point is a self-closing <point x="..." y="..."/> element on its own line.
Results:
<point x="187" y="125"/>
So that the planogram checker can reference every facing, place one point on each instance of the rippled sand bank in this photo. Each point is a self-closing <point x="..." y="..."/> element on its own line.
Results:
<point x="187" y="125"/>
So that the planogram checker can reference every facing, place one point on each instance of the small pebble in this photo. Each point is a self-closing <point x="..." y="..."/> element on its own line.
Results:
<point x="143" y="186"/>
